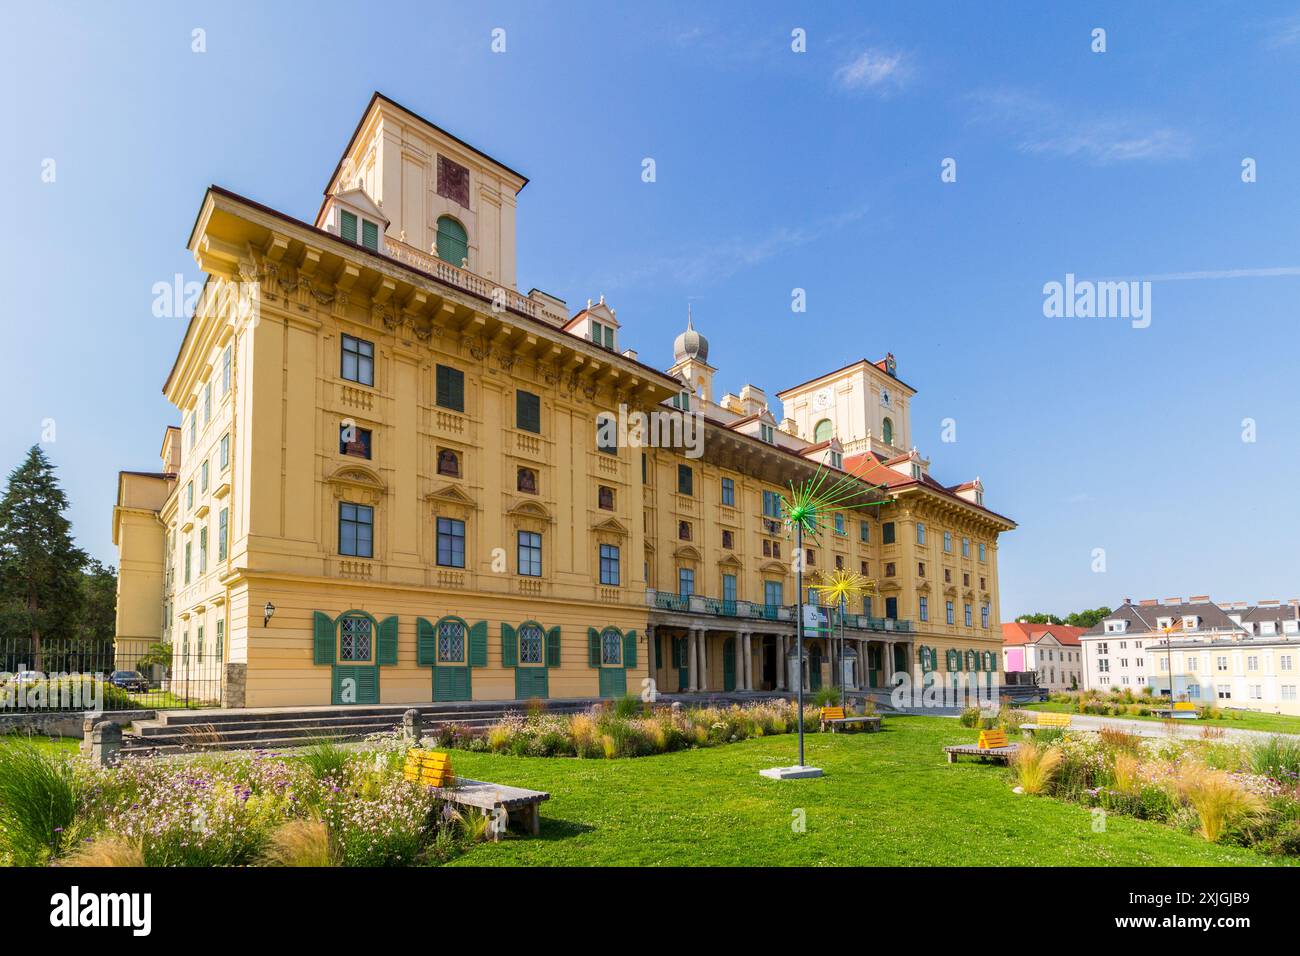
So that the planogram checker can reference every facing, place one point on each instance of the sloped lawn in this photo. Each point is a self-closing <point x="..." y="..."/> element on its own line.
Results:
<point x="888" y="799"/>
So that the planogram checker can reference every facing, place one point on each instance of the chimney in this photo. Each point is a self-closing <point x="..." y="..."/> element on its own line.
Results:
<point x="1199" y="599"/>
<point x="629" y="353"/>
<point x="1128" y="600"/>
<point x="1148" y="602"/>
<point x="1269" y="603"/>
<point x="1174" y="600"/>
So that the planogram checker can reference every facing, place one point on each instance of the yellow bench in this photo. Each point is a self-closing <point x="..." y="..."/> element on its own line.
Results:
<point x="1053" y="720"/>
<point x="992" y="739"/>
<point x="835" y="716"/>
<point x="992" y="745"/>
<point x="428" y="767"/>
<point x="1184" y="705"/>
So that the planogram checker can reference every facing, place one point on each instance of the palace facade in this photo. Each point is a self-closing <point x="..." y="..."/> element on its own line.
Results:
<point x="389" y="482"/>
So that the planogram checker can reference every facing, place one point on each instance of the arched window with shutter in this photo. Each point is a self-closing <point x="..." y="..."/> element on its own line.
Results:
<point x="453" y="244"/>
<point x="823" y="430"/>
<point x="887" y="431"/>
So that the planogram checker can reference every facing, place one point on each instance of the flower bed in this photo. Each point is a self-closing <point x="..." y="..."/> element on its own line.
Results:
<point x="1243" y="794"/>
<point x="627" y="728"/>
<point x="325" y="807"/>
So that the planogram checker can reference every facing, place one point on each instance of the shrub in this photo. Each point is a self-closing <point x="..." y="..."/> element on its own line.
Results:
<point x="1125" y="774"/>
<point x="869" y="708"/>
<point x="40" y="794"/>
<point x="970" y="717"/>
<point x="1118" y="741"/>
<point x="1009" y="719"/>
<point x="1035" y="767"/>
<point x="105" y="851"/>
<point x="826" y="697"/>
<point x="1276" y="757"/>
<point x="326" y="760"/>
<point x="300" y="843"/>
<point x="1219" y="801"/>
<point x="627" y="706"/>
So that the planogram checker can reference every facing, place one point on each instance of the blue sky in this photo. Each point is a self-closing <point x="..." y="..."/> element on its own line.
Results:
<point x="775" y="170"/>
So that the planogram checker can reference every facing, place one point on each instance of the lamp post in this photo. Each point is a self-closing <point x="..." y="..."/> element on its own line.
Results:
<point x="798" y="627"/>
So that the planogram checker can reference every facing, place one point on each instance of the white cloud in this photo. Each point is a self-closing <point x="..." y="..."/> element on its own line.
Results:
<point x="879" y="71"/>
<point x="1039" y="126"/>
<point x="1260" y="273"/>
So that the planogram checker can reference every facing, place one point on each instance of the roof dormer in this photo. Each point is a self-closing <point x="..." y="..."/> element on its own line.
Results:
<point x="1117" y="625"/>
<point x="354" y="217"/>
<point x="597" y="323"/>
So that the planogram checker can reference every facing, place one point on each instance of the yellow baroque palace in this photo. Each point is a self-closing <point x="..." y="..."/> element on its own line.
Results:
<point x="389" y="483"/>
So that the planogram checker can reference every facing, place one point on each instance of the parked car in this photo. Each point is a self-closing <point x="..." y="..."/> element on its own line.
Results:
<point x="129" y="680"/>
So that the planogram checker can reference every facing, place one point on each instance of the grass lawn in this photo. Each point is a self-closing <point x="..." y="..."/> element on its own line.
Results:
<point x="62" y="744"/>
<point x="1242" y="719"/>
<point x="888" y="799"/>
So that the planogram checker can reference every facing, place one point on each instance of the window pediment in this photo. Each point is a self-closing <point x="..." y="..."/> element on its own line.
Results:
<point x="610" y="526"/>
<point x="529" y="508"/>
<point x="687" y="552"/>
<point x="773" y="567"/>
<point x="358" y="483"/>
<point x="730" y="561"/>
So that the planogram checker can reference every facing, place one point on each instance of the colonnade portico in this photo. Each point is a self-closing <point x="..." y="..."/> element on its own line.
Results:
<point x="690" y="656"/>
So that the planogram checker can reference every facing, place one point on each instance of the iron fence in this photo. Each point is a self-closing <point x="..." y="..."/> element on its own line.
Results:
<point x="72" y="675"/>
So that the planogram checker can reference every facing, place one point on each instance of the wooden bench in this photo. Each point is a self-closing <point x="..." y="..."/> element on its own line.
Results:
<point x="433" y="769"/>
<point x="1048" y="721"/>
<point x="992" y="745"/>
<point x="833" y="717"/>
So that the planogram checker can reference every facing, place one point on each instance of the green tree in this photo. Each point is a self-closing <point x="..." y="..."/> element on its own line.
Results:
<point x="1088" y="618"/>
<point x="98" y="623"/>
<point x="1039" y="618"/>
<point x="40" y="566"/>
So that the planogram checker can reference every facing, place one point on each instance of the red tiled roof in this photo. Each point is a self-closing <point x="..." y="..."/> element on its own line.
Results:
<point x="1016" y="632"/>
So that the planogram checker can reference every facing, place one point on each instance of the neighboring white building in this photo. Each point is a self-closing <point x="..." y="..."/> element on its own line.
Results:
<point x="1051" y="651"/>
<point x="1234" y="655"/>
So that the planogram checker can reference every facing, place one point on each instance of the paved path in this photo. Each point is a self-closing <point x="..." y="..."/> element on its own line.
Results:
<point x="1151" y="728"/>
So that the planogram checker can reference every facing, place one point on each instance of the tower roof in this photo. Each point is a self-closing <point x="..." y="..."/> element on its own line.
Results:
<point x="690" y="344"/>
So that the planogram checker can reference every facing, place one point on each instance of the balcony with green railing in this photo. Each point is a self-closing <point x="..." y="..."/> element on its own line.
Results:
<point x="752" y="610"/>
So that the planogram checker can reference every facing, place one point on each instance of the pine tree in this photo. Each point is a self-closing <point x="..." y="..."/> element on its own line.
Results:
<point x="41" y="588"/>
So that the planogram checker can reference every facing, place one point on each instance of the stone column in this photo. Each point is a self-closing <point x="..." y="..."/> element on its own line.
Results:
<point x="780" y="662"/>
<point x="740" y="661"/>
<point x="412" y="730"/>
<point x="703" y="643"/>
<point x="749" y="663"/>
<point x="105" y="742"/>
<point x="692" y="662"/>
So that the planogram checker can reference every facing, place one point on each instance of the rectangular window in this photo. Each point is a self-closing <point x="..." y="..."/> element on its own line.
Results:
<point x="528" y="412"/>
<point x="891" y="608"/>
<point x="187" y="561"/>
<point x="771" y="504"/>
<point x="685" y="582"/>
<point x="203" y="476"/>
<point x="221" y="641"/>
<point x="685" y="480"/>
<point x="207" y="404"/>
<point x="224" y="452"/>
<point x="449" y="388"/>
<point x="728" y="492"/>
<point x="609" y="569"/>
<point x="358" y="361"/>
<point x="948" y="608"/>
<point x="607" y="433"/>
<point x="203" y="550"/>
<point x="772" y="593"/>
<point x="729" y="587"/>
<point x="356" y="530"/>
<point x="223" y="530"/>
<point x="968" y="614"/>
<point x="225" y="370"/>
<point x="887" y="532"/>
<point x="354" y="441"/>
<point x="947" y="541"/>
<point x="1288" y="692"/>
<point x="866" y="606"/>
<point x="984" y="616"/>
<point x="965" y="547"/>
<point x="530" y="554"/>
<point x="983" y="553"/>
<point x="451" y="543"/>
<point x="920" y="533"/>
<point x="840" y="526"/>
<point x="864" y="532"/>
<point x="766" y="433"/>
<point x="923" y="609"/>
<point x="194" y="428"/>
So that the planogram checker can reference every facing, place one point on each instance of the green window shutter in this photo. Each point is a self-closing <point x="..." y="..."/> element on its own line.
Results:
<point x="426" y="643"/>
<point x="509" y="646"/>
<point x="478" y="644"/>
<point x="450" y="388"/>
<point x="370" y="234"/>
<point x="367" y="682"/>
<point x="347" y="225"/>
<point x="593" y="647"/>
<point x="388" y="641"/>
<point x="553" y="647"/>
<point x="323" y="638"/>
<point x="629" y="649"/>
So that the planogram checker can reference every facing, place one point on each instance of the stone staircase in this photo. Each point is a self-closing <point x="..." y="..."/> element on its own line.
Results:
<point x="277" y="728"/>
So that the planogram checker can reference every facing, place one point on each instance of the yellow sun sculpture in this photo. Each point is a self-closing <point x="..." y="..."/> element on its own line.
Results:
<point x="840" y="588"/>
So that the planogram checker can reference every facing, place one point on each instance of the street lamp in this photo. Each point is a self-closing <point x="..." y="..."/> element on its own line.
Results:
<point x="268" y="611"/>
